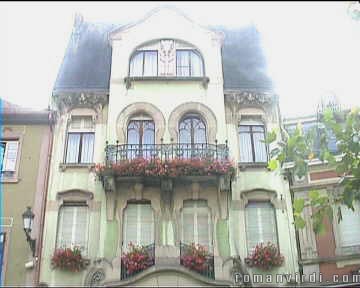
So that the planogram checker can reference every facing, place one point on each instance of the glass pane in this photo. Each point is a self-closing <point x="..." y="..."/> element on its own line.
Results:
<point x="148" y="138"/>
<point x="150" y="63"/>
<point x="87" y="149"/>
<point x="245" y="147"/>
<point x="130" y="225"/>
<point x="136" y="64"/>
<point x="72" y="150"/>
<point x="199" y="130"/>
<point x="147" y="224"/>
<point x="260" y="147"/>
<point x="196" y="65"/>
<point x="182" y="63"/>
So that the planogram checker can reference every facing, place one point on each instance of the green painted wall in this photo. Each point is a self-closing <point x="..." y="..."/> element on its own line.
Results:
<point x="111" y="240"/>
<point x="19" y="195"/>
<point x="222" y="234"/>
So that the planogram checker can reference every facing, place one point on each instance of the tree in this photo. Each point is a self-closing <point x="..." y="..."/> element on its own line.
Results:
<point x="299" y="149"/>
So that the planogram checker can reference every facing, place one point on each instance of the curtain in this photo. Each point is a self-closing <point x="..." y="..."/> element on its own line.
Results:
<point x="138" y="225"/>
<point x="136" y="64"/>
<point x="196" y="65"/>
<point x="73" y="227"/>
<point x="150" y="63"/>
<point x="260" y="224"/>
<point x="87" y="148"/>
<point x="245" y="144"/>
<point x="350" y="226"/>
<point x="72" y="150"/>
<point x="182" y="63"/>
<point x="259" y="146"/>
<point x="196" y="223"/>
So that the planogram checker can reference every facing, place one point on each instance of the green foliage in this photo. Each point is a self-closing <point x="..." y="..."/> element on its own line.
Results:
<point x="298" y="150"/>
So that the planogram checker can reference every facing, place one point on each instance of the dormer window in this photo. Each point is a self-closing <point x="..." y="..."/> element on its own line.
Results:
<point x="166" y="58"/>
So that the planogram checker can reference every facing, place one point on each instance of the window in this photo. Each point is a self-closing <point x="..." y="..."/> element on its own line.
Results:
<point x="8" y="154"/>
<point x="138" y="224"/>
<point x="192" y="130"/>
<point x="260" y="224"/>
<point x="350" y="226"/>
<point x="140" y="136"/>
<point x="188" y="63"/>
<point x="73" y="226"/>
<point x="80" y="140"/>
<point x="144" y="63"/>
<point x="252" y="147"/>
<point x="196" y="223"/>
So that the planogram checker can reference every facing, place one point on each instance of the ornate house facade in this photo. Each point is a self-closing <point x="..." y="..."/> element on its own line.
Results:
<point x="159" y="142"/>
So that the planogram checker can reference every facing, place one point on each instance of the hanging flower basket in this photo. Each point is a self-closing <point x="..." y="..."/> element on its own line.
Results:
<point x="195" y="257"/>
<point x="69" y="259"/>
<point x="265" y="257"/>
<point x="136" y="259"/>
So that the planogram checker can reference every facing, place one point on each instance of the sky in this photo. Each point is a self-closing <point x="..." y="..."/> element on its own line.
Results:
<point x="312" y="48"/>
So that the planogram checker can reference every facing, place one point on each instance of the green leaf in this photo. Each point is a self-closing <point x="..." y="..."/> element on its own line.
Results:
<point x="314" y="195"/>
<point x="299" y="222"/>
<point x="299" y="205"/>
<point x="270" y="137"/>
<point x="273" y="164"/>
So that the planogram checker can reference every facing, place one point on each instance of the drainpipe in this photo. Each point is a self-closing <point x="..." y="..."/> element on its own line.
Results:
<point x="44" y="199"/>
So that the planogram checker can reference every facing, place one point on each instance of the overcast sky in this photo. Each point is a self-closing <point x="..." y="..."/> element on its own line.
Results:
<point x="312" y="49"/>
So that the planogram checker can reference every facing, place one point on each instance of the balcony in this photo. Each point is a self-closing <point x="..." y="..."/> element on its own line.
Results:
<point x="116" y="154"/>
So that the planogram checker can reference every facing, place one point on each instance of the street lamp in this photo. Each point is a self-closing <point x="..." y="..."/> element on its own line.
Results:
<point x="28" y="218"/>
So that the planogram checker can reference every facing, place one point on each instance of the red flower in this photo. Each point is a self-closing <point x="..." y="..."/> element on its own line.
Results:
<point x="68" y="259"/>
<point x="265" y="257"/>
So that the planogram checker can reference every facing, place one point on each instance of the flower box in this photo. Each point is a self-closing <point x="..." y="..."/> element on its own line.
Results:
<point x="69" y="259"/>
<point x="265" y="257"/>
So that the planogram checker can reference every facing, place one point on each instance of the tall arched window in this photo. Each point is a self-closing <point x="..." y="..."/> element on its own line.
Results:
<point x="140" y="136"/>
<point x="192" y="130"/>
<point x="192" y="136"/>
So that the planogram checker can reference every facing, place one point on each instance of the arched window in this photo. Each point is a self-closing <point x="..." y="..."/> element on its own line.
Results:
<point x="192" y="130"/>
<point x="144" y="63"/>
<point x="251" y="139"/>
<point x="260" y="224"/>
<point x="196" y="223"/>
<point x="140" y="136"/>
<point x="189" y="63"/>
<point x="138" y="224"/>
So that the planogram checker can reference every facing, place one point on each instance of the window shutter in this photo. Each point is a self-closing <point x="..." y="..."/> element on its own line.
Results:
<point x="10" y="156"/>
<point x="260" y="224"/>
<point x="350" y="226"/>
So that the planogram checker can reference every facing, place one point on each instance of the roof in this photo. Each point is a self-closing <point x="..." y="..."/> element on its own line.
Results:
<point x="86" y="65"/>
<point x="16" y="114"/>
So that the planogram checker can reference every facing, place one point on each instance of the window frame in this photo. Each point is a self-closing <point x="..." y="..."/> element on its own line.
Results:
<point x="143" y="62"/>
<point x="190" y="63"/>
<point x="80" y="148"/>
<point x="192" y="116"/>
<point x="250" y="201"/>
<point x="251" y="133"/>
<point x="84" y="251"/>
<point x="11" y="176"/>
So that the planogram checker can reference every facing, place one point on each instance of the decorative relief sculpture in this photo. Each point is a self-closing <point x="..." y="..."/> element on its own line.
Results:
<point x="167" y="55"/>
<point x="246" y="97"/>
<point x="69" y="101"/>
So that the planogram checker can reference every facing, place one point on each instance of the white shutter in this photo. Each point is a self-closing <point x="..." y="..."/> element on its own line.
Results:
<point x="10" y="156"/>
<point x="350" y="226"/>
<point x="260" y="224"/>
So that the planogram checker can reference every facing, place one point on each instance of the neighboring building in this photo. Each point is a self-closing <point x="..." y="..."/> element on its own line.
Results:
<point x="335" y="255"/>
<point x="25" y="143"/>
<point x="163" y="87"/>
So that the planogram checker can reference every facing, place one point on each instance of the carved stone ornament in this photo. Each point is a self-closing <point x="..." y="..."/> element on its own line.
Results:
<point x="68" y="101"/>
<point x="250" y="98"/>
<point x="167" y="53"/>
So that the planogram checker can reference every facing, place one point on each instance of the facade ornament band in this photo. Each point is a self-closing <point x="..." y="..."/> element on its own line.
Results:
<point x="68" y="101"/>
<point x="250" y="98"/>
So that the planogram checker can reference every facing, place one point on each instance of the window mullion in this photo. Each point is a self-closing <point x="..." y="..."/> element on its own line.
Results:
<point x="252" y="142"/>
<point x="80" y="147"/>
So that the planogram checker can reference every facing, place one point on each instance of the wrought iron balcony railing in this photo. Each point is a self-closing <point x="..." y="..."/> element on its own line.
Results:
<point x="195" y="259"/>
<point x="164" y="152"/>
<point x="127" y="272"/>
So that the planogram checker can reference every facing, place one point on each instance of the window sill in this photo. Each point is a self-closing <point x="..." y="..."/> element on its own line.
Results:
<point x="64" y="166"/>
<point x="253" y="165"/>
<point x="9" y="180"/>
<point x="204" y="80"/>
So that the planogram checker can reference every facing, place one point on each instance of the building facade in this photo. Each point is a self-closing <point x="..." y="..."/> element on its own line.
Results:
<point x="142" y="109"/>
<point x="332" y="256"/>
<point x="25" y="143"/>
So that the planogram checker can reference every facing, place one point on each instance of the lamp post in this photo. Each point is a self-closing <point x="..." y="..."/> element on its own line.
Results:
<point x="28" y="218"/>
